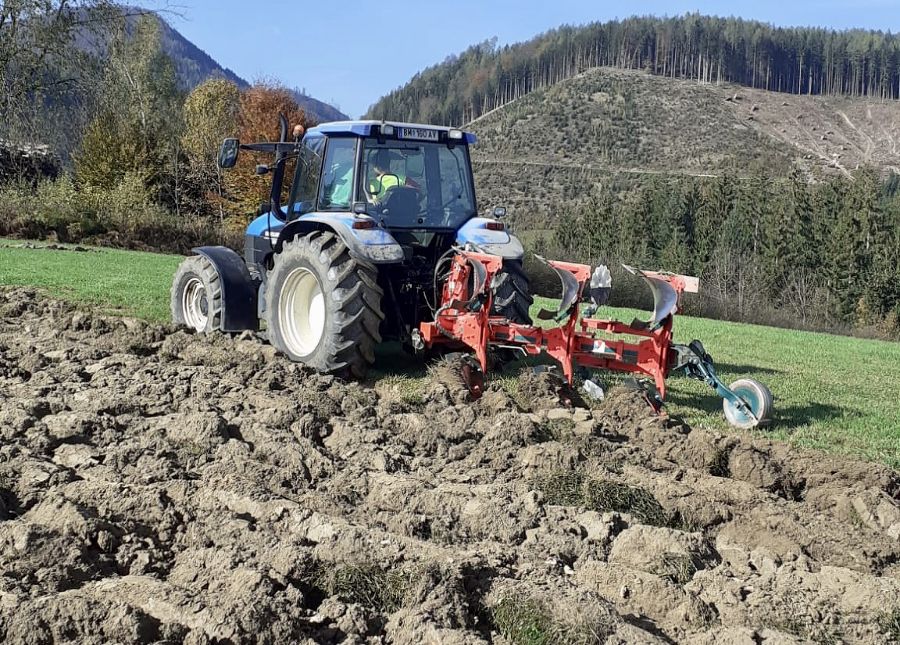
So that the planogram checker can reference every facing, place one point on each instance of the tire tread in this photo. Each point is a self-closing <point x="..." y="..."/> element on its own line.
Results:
<point x="354" y="324"/>
<point x="512" y="297"/>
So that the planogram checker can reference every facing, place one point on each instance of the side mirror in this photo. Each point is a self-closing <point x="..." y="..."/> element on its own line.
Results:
<point x="360" y="208"/>
<point x="228" y="153"/>
<point x="500" y="212"/>
<point x="262" y="169"/>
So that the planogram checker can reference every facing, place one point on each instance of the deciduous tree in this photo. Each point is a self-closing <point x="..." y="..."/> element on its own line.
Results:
<point x="210" y="114"/>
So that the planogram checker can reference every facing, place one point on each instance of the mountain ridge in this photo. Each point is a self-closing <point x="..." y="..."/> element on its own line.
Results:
<point x="707" y="49"/>
<point x="193" y="66"/>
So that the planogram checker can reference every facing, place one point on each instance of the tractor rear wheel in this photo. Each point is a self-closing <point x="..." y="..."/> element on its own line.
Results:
<point x="323" y="307"/>
<point x="512" y="295"/>
<point x="196" y="299"/>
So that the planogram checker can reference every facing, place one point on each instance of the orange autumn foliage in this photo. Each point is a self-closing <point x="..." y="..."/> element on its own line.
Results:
<point x="258" y="121"/>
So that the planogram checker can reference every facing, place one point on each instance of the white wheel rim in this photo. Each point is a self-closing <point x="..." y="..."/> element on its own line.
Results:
<point x="301" y="312"/>
<point x="195" y="304"/>
<point x="753" y="398"/>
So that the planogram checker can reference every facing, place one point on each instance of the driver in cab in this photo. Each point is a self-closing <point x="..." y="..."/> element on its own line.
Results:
<point x="382" y="177"/>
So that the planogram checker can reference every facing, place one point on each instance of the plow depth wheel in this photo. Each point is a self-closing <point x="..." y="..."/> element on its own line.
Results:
<point x="757" y="397"/>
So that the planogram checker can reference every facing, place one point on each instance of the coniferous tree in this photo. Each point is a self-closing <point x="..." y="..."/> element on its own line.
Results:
<point x="705" y="49"/>
<point x="782" y="248"/>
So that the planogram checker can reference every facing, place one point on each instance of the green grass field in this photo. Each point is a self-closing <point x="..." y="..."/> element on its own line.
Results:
<point x="121" y="282"/>
<point x="831" y="392"/>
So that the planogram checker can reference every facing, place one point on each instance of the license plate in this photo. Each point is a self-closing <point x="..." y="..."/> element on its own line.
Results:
<point x="419" y="133"/>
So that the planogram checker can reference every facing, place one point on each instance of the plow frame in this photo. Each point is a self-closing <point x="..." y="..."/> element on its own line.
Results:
<point x="463" y="321"/>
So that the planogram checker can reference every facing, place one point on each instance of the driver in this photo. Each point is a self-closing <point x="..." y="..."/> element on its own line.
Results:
<point x="383" y="177"/>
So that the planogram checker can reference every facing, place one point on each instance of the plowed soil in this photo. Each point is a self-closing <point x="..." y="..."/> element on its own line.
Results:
<point x="159" y="486"/>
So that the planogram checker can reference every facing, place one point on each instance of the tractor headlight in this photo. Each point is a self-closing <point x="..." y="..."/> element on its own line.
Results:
<point x="455" y="135"/>
<point x="387" y="130"/>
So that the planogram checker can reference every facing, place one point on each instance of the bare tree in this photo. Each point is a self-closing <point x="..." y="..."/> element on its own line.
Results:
<point x="803" y="294"/>
<point x="51" y="55"/>
<point x="40" y="62"/>
<point x="735" y="284"/>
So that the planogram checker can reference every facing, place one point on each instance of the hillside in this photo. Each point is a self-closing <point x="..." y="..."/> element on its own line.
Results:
<point x="707" y="49"/>
<point x="319" y="110"/>
<point x="193" y="66"/>
<point x="541" y="151"/>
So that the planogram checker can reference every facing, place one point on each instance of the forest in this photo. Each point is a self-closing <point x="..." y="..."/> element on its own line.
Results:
<point x="784" y="252"/>
<point x="137" y="148"/>
<point x="706" y="49"/>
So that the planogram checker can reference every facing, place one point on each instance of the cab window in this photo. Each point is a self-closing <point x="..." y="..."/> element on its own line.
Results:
<point x="337" y="174"/>
<point x="416" y="184"/>
<point x="306" y="179"/>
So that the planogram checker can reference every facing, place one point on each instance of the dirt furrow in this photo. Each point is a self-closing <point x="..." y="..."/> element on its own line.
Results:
<point x="158" y="486"/>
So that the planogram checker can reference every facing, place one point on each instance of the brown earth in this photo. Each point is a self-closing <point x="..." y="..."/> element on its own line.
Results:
<point x="157" y="486"/>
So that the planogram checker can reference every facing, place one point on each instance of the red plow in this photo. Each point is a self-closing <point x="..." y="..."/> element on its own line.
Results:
<point x="644" y="349"/>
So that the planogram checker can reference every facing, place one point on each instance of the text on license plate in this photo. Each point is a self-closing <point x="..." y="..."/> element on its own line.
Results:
<point x="418" y="133"/>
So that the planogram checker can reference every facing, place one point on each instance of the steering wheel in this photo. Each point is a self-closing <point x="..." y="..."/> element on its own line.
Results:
<point x="381" y="198"/>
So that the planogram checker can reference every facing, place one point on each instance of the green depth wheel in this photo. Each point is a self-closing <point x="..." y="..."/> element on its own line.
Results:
<point x="757" y="397"/>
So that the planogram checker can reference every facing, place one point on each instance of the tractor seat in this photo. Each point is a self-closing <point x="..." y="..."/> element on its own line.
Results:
<point x="401" y="208"/>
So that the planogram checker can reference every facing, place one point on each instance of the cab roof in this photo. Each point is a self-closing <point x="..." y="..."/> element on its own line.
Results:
<point x="369" y="128"/>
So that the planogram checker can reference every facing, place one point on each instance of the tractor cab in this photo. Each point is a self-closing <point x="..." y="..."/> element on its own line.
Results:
<point x="403" y="177"/>
<point x="395" y="191"/>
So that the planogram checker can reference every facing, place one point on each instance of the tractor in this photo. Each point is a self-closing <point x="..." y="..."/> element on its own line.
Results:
<point x="372" y="233"/>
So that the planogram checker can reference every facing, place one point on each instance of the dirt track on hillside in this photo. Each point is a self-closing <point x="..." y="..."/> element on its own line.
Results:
<point x="157" y="486"/>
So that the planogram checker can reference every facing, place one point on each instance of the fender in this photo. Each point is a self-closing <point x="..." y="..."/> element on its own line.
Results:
<point x="239" y="289"/>
<point x="491" y="242"/>
<point x="373" y="245"/>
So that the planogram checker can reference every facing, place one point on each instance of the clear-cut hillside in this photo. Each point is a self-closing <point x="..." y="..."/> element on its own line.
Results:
<point x="538" y="153"/>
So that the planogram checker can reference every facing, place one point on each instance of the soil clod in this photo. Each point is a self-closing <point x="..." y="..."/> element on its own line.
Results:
<point x="161" y="486"/>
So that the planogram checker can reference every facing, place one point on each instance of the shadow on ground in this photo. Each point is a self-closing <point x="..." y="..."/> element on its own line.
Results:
<point x="786" y="419"/>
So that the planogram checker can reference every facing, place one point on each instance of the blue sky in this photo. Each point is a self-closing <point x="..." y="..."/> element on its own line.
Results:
<point x="352" y="52"/>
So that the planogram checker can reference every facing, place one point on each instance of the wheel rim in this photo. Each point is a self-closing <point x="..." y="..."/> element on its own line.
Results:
<point x="301" y="314"/>
<point x="753" y="399"/>
<point x="195" y="304"/>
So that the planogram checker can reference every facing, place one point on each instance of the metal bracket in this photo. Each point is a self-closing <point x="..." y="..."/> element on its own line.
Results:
<point x="696" y="363"/>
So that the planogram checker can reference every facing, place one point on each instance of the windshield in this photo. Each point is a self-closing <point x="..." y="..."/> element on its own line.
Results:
<point x="417" y="185"/>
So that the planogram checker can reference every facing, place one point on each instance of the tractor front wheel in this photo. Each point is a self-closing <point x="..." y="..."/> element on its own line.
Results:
<point x="323" y="307"/>
<point x="512" y="293"/>
<point x="196" y="299"/>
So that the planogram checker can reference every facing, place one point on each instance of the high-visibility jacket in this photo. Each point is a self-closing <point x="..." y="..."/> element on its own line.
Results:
<point x="380" y="184"/>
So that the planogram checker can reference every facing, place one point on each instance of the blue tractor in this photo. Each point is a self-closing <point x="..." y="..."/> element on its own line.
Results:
<point x="353" y="248"/>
